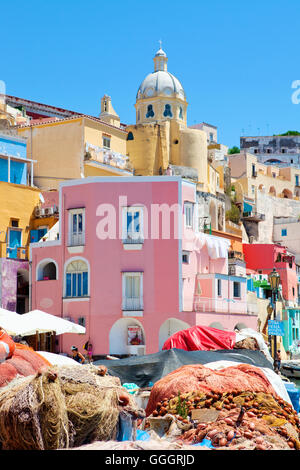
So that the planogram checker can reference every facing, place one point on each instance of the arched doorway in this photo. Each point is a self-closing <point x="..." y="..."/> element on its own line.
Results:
<point x="122" y="332"/>
<point x="168" y="328"/>
<point x="22" y="305"/>
<point x="272" y="191"/>
<point x="287" y="194"/>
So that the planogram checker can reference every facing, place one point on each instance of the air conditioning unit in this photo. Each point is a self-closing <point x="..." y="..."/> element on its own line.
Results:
<point x="39" y="212"/>
<point x="49" y="211"/>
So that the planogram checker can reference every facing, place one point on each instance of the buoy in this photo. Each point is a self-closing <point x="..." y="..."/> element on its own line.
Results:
<point x="7" y="345"/>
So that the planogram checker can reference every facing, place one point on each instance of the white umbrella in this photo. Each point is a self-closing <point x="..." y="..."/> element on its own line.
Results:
<point x="11" y="322"/>
<point x="43" y="322"/>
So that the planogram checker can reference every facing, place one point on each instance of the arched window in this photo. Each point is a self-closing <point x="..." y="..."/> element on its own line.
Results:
<point x="180" y="113"/>
<point x="77" y="279"/>
<point x="167" y="111"/>
<point x="130" y="136"/>
<point x="46" y="270"/>
<point x="150" y="112"/>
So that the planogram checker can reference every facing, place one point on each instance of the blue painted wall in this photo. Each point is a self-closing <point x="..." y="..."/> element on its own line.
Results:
<point x="18" y="170"/>
<point x="9" y="146"/>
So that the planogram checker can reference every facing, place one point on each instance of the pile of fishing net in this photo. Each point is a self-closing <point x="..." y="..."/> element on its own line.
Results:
<point x="23" y="362"/>
<point x="198" y="377"/>
<point x="63" y="407"/>
<point x="247" y="343"/>
<point x="234" y="408"/>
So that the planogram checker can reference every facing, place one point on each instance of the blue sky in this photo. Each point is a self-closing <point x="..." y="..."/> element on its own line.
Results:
<point x="235" y="59"/>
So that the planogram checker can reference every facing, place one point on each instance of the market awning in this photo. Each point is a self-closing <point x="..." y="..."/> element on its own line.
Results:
<point x="29" y="323"/>
<point x="10" y="322"/>
<point x="43" y="322"/>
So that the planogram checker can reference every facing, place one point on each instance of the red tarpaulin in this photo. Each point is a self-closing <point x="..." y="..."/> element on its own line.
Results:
<point x="201" y="338"/>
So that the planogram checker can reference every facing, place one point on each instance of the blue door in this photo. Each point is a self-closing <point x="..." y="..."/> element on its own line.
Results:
<point x="13" y="243"/>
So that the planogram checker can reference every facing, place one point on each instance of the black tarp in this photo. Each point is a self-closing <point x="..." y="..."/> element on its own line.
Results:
<point x="149" y="368"/>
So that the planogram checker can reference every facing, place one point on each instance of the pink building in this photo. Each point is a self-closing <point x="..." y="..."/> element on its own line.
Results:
<point x="130" y="263"/>
<point x="264" y="257"/>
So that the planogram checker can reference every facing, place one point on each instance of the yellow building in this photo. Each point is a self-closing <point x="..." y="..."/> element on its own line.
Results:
<point x="160" y="137"/>
<point x="250" y="176"/>
<point x="76" y="146"/>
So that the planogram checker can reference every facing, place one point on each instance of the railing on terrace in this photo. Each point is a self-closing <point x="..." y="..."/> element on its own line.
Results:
<point x="218" y="305"/>
<point x="253" y="215"/>
<point x="20" y="252"/>
<point x="107" y="157"/>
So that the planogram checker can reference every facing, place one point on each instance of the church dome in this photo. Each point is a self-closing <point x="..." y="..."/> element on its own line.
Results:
<point x="160" y="82"/>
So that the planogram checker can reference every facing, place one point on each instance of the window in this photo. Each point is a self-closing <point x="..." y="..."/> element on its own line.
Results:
<point x="211" y="137"/>
<point x="236" y="289"/>
<point x="283" y="232"/>
<point x="14" y="222"/>
<point x="76" y="227"/>
<point x="167" y="111"/>
<point x="106" y="142"/>
<point x="77" y="279"/>
<point x="133" y="224"/>
<point x="180" y="113"/>
<point x="297" y="180"/>
<point x="282" y="150"/>
<point x="130" y="136"/>
<point x="253" y="170"/>
<point x="132" y="298"/>
<point x="219" y="287"/>
<point x="188" y="214"/>
<point x="46" y="270"/>
<point x="186" y="257"/>
<point x="253" y="189"/>
<point x="49" y="272"/>
<point x="150" y="112"/>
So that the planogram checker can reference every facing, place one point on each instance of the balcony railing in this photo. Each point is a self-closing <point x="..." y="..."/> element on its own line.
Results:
<point x="132" y="304"/>
<point x="107" y="157"/>
<point x="219" y="305"/>
<point x="132" y="240"/>
<point x="253" y="215"/>
<point x="77" y="239"/>
<point x="20" y="252"/>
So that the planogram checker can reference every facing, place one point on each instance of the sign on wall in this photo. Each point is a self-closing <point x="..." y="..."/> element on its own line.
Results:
<point x="275" y="328"/>
<point x="134" y="335"/>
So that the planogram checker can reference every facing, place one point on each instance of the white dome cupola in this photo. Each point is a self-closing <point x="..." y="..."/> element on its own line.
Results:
<point x="160" y="95"/>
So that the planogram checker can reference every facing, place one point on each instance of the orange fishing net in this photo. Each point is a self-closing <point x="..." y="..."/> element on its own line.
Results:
<point x="198" y="377"/>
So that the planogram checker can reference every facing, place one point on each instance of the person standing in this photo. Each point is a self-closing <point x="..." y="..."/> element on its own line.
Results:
<point x="277" y="362"/>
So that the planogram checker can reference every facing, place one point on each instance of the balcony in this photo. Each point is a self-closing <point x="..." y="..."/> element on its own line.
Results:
<point x="253" y="216"/>
<point x="103" y="156"/>
<point x="19" y="252"/>
<point x="77" y="239"/>
<point x="219" y="305"/>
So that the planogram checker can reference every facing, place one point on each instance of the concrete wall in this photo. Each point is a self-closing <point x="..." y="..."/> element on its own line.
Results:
<point x="271" y="207"/>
